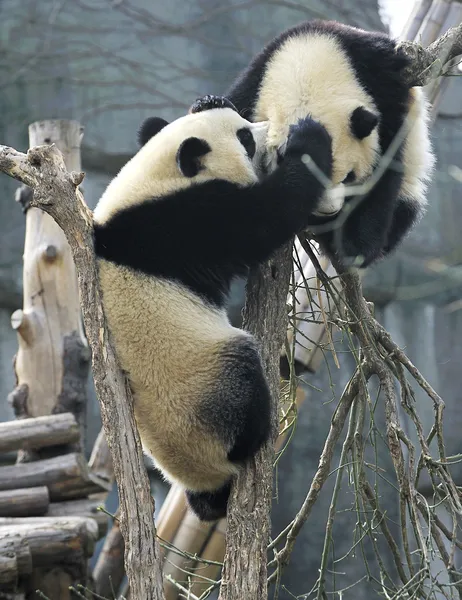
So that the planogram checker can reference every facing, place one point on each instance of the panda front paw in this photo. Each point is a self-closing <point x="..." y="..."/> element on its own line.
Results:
<point x="308" y="137"/>
<point x="347" y="252"/>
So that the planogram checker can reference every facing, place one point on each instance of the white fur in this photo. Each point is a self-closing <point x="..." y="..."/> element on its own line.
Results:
<point x="153" y="171"/>
<point x="311" y="74"/>
<point x="418" y="158"/>
<point x="166" y="338"/>
<point x="169" y="342"/>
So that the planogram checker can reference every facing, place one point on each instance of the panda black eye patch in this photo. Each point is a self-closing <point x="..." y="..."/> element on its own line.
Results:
<point x="245" y="136"/>
<point x="350" y="177"/>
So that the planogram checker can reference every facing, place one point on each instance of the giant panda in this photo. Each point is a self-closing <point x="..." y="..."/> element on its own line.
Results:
<point x="182" y="218"/>
<point x="351" y="81"/>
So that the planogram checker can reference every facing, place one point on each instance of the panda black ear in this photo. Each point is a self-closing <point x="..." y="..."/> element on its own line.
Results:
<point x="189" y="154"/>
<point x="150" y="128"/>
<point x="363" y="122"/>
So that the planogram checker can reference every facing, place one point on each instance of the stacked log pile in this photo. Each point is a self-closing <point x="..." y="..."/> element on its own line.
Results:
<point x="49" y="515"/>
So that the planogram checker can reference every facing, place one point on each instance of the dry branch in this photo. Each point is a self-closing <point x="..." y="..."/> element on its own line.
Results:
<point x="428" y="63"/>
<point x="55" y="192"/>
<point x="100" y="462"/>
<point x="29" y="434"/>
<point x="109" y="569"/>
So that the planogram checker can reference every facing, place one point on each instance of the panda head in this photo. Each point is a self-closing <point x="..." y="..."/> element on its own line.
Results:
<point x="212" y="142"/>
<point x="312" y="74"/>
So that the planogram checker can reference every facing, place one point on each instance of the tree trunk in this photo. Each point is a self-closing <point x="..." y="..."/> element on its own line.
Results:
<point x="248" y="527"/>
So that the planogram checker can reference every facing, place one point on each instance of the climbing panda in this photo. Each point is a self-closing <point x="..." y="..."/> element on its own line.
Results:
<point x="182" y="218"/>
<point x="353" y="82"/>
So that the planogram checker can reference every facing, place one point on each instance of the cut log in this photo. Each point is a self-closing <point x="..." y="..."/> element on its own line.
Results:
<point x="17" y="545"/>
<point x="67" y="477"/>
<point x="54" y="541"/>
<point x="29" y="434"/>
<point x="8" y="571"/>
<point x="24" y="502"/>
<point x="88" y="507"/>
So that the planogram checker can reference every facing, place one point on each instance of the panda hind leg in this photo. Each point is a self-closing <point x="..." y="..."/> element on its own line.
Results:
<point x="210" y="506"/>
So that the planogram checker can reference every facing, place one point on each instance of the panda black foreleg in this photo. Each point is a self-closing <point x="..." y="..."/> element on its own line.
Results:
<point x="406" y="213"/>
<point x="361" y="239"/>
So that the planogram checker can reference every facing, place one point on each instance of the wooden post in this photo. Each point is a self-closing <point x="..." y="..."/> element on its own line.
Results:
<point x="53" y="358"/>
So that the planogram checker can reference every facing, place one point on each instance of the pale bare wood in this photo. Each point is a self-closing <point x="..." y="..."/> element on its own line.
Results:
<point x="100" y="462"/>
<point x="87" y="507"/>
<point x="66" y="477"/>
<point x="192" y="534"/>
<point x="52" y="362"/>
<point x="214" y="551"/>
<point x="171" y="513"/>
<point x="28" y="434"/>
<point x="109" y="569"/>
<point x="55" y="192"/>
<point x="24" y="502"/>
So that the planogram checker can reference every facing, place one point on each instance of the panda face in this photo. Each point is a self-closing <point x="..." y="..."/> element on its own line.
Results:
<point x="330" y="94"/>
<point x="199" y="147"/>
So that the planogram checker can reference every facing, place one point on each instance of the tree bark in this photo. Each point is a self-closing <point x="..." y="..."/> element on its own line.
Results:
<point x="56" y="192"/>
<point x="248" y="528"/>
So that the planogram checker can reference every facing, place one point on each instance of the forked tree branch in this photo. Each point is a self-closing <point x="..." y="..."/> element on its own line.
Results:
<point x="428" y="63"/>
<point x="56" y="192"/>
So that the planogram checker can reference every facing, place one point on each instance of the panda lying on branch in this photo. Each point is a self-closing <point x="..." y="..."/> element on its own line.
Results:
<point x="184" y="216"/>
<point x="353" y="82"/>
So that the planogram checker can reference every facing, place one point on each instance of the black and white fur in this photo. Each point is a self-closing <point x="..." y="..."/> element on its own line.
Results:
<point x="182" y="218"/>
<point x="351" y="81"/>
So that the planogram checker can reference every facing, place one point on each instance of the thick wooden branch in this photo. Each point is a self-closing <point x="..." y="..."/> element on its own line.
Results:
<point x="427" y="63"/>
<point x="248" y="527"/>
<point x="55" y="191"/>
